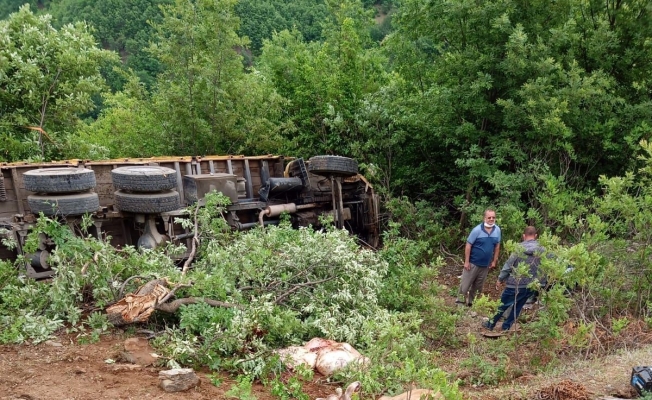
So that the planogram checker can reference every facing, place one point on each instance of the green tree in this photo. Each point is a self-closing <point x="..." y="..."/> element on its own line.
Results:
<point x="488" y="93"/>
<point x="128" y="126"/>
<point x="261" y="18"/>
<point x="11" y="6"/>
<point x="207" y="102"/>
<point x="47" y="79"/>
<point x="119" y="25"/>
<point x="325" y="82"/>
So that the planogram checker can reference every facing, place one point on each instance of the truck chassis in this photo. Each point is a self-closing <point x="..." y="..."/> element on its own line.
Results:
<point x="261" y="188"/>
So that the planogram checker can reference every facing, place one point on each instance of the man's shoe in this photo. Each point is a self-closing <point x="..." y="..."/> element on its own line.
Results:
<point x="488" y="325"/>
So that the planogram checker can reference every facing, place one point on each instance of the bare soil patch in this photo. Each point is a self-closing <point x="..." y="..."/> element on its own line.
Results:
<point x="80" y="372"/>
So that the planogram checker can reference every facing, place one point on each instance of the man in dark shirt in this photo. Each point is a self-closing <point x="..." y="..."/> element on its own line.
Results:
<point x="517" y="289"/>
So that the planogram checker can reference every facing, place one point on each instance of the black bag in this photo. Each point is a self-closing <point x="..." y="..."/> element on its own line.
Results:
<point x="641" y="379"/>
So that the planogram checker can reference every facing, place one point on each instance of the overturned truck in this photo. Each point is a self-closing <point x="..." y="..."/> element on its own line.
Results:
<point x="136" y="201"/>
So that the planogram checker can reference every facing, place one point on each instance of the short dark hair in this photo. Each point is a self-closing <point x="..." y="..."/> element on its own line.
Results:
<point x="530" y="231"/>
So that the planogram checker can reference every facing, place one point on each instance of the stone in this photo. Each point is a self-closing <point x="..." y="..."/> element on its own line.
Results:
<point x="178" y="380"/>
<point x="124" y="367"/>
<point x="138" y="351"/>
<point x="53" y="343"/>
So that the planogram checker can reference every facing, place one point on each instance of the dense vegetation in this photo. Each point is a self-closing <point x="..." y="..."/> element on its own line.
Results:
<point x="541" y="110"/>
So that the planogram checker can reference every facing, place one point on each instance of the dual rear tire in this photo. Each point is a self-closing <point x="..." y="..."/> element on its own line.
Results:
<point x="61" y="191"/>
<point x="145" y="189"/>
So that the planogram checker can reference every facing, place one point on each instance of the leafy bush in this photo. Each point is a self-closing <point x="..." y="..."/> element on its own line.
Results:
<point x="395" y="348"/>
<point x="87" y="270"/>
<point x="290" y="285"/>
<point x="409" y="284"/>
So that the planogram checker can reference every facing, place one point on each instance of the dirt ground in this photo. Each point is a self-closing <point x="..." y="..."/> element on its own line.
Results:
<point x="80" y="372"/>
<point x="63" y="369"/>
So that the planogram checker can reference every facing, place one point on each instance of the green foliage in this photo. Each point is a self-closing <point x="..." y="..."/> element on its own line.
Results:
<point x="121" y="26"/>
<point x="292" y="387"/>
<point x="11" y="6"/>
<point x="409" y="267"/>
<point x="34" y="311"/>
<point x="206" y="102"/>
<point x="291" y="284"/>
<point x="127" y="127"/>
<point x="581" y="339"/>
<point x="325" y="82"/>
<point x="395" y="348"/>
<point x="487" y="372"/>
<point x="489" y="363"/>
<point x="484" y="93"/>
<point x="7" y="239"/>
<point x="533" y="108"/>
<point x="260" y="19"/>
<point x="47" y="80"/>
<point x="90" y="330"/>
<point x="241" y="390"/>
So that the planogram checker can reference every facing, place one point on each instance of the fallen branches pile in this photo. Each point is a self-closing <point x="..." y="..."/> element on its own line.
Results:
<point x="564" y="390"/>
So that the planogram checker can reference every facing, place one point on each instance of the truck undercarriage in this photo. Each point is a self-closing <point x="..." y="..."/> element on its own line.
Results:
<point x="135" y="201"/>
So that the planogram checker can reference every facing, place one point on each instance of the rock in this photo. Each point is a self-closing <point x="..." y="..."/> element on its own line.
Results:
<point x="53" y="343"/>
<point x="124" y="367"/>
<point x="138" y="351"/>
<point x="178" y="380"/>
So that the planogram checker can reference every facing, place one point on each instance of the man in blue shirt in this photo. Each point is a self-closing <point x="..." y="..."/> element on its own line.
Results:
<point x="480" y="254"/>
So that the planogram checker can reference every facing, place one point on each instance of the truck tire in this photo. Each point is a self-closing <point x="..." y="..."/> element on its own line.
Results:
<point x="64" y="204"/>
<point x="333" y="165"/>
<point x="144" y="178"/>
<point x="59" y="180"/>
<point x="147" y="203"/>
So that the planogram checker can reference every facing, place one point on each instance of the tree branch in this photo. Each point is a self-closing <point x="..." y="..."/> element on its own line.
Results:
<point x="173" y="306"/>
<point x="299" y="286"/>
<point x="173" y="291"/>
<point x="195" y="243"/>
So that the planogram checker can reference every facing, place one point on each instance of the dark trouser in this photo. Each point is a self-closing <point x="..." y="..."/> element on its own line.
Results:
<point x="472" y="282"/>
<point x="515" y="297"/>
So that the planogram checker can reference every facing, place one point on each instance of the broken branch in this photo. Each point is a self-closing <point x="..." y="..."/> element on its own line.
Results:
<point x="195" y="244"/>
<point x="173" y="306"/>
<point x="299" y="286"/>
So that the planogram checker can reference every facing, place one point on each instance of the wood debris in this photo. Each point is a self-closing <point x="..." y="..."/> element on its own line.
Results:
<point x="564" y="390"/>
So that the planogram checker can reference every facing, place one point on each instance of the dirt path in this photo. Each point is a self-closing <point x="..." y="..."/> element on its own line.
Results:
<point x="604" y="377"/>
